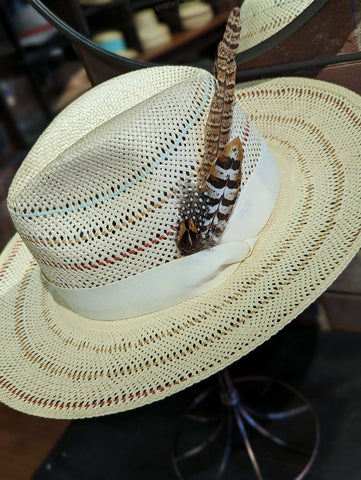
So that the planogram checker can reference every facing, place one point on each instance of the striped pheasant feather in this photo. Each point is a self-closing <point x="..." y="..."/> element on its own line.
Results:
<point x="205" y="211"/>
<point x="223" y="185"/>
<point x="206" y="208"/>
<point x="220" y="115"/>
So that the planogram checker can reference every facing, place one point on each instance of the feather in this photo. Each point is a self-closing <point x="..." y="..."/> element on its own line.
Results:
<point x="206" y="207"/>
<point x="223" y="184"/>
<point x="220" y="115"/>
<point x="205" y="212"/>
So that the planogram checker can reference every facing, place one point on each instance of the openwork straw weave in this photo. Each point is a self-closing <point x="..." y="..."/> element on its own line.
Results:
<point x="55" y="363"/>
<point x="107" y="208"/>
<point x="263" y="18"/>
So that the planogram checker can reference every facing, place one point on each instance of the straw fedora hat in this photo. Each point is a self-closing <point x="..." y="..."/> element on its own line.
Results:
<point x="99" y="311"/>
<point x="263" y="19"/>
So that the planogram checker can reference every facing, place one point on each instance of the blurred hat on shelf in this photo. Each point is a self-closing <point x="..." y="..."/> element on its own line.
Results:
<point x="152" y="34"/>
<point x="155" y="36"/>
<point x="111" y="40"/>
<point x="145" y="18"/>
<point x="195" y="14"/>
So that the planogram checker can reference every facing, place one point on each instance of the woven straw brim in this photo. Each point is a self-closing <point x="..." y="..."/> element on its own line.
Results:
<point x="57" y="364"/>
<point x="261" y="19"/>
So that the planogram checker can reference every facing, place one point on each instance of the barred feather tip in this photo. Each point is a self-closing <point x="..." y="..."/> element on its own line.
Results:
<point x="206" y="207"/>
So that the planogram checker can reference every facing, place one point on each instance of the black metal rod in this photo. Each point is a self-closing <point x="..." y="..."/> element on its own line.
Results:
<point x="85" y="42"/>
<point x="200" y="447"/>
<point x="251" y="455"/>
<point x="262" y="431"/>
<point x="227" y="449"/>
<point x="275" y="415"/>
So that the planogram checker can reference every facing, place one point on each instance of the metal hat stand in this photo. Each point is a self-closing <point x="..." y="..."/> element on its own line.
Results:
<point x="236" y="418"/>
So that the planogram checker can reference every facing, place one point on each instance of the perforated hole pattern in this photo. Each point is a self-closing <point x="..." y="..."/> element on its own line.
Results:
<point x="106" y="208"/>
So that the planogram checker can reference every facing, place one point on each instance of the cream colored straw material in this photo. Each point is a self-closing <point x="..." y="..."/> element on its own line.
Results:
<point x="263" y="18"/>
<point x="116" y="146"/>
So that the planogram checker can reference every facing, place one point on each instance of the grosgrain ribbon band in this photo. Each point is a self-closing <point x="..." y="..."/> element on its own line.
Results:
<point x="188" y="277"/>
<point x="158" y="288"/>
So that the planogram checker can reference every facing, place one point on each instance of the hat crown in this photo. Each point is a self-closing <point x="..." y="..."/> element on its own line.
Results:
<point x="106" y="208"/>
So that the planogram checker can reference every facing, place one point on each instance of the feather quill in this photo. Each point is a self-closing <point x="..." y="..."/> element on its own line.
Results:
<point x="206" y="208"/>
